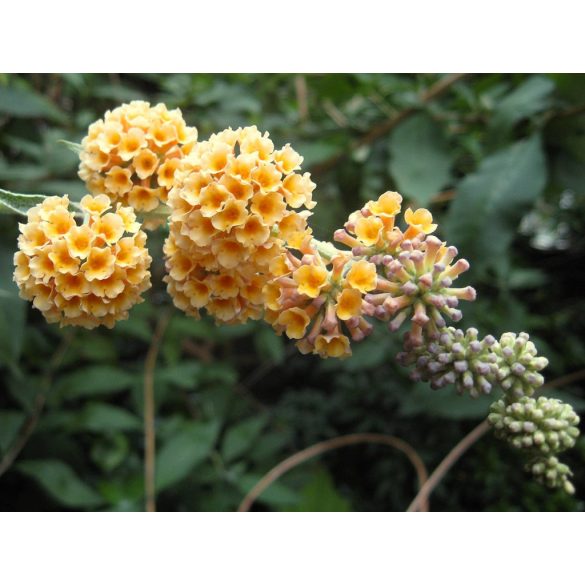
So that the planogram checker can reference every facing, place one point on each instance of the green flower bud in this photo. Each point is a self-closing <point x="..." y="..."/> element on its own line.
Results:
<point x="544" y="425"/>
<point x="518" y="365"/>
<point x="453" y="357"/>
<point x="551" y="472"/>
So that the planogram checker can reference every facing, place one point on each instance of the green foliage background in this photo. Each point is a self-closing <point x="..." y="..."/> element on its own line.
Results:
<point x="505" y="154"/>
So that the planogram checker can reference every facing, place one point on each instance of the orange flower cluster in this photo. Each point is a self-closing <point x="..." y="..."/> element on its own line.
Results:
<point x="86" y="275"/>
<point x="415" y="270"/>
<point x="235" y="205"/>
<point x="318" y="299"/>
<point x="323" y="298"/>
<point x="132" y="154"/>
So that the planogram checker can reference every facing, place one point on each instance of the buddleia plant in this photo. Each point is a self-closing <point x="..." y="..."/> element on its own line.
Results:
<point x="240" y="246"/>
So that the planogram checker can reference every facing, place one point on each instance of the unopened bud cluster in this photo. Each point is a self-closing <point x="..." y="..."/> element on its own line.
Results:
<point x="519" y="365"/>
<point x="546" y="425"/>
<point x="542" y="427"/>
<point x="550" y="472"/>
<point x="453" y="357"/>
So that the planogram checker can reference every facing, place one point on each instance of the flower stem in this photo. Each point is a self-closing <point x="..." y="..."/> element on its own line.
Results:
<point x="149" y="413"/>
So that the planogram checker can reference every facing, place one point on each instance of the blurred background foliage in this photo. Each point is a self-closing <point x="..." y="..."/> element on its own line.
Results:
<point x="500" y="161"/>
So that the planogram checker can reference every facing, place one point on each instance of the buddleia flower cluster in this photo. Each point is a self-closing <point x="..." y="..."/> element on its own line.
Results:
<point x="236" y="203"/>
<point x="86" y="274"/>
<point x="132" y="153"/>
<point x="324" y="297"/>
<point x="317" y="299"/>
<point x="415" y="269"/>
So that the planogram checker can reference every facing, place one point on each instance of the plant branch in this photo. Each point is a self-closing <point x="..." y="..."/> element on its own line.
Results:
<point x="30" y="423"/>
<point x="436" y="90"/>
<point x="479" y="431"/>
<point x="319" y="448"/>
<point x="149" y="412"/>
<point x="453" y="456"/>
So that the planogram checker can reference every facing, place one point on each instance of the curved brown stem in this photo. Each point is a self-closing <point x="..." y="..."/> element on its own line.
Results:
<point x="30" y="423"/>
<point x="149" y="412"/>
<point x="453" y="456"/>
<point x="324" y="446"/>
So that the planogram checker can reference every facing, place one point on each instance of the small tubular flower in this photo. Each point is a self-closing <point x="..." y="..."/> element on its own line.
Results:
<point x="231" y="214"/>
<point x="86" y="275"/>
<point x="132" y="154"/>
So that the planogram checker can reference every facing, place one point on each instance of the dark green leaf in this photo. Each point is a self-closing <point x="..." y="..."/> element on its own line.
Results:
<point x="269" y="346"/>
<point x="444" y="403"/>
<point x="241" y="437"/>
<point x="60" y="481"/>
<point x="101" y="417"/>
<point x="181" y="454"/>
<point x="10" y="423"/>
<point x="277" y="494"/>
<point x="94" y="381"/>
<point x="21" y="103"/>
<point x="531" y="97"/>
<point x="484" y="216"/>
<point x="420" y="158"/>
<point x="12" y="311"/>
<point x="320" y="495"/>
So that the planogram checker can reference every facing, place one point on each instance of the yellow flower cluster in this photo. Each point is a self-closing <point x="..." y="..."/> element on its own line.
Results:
<point x="415" y="269"/>
<point x="323" y="298"/>
<point x="132" y="153"/>
<point x="318" y="299"/>
<point x="86" y="275"/>
<point x="235" y="205"/>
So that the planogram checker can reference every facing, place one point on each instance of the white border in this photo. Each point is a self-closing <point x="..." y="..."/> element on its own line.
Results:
<point x="299" y="35"/>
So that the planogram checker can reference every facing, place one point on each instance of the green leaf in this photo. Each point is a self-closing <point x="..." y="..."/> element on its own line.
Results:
<point x="531" y="97"/>
<point x="181" y="454"/>
<point x="10" y="423"/>
<point x="183" y="375"/>
<point x="269" y="346"/>
<point x="277" y="494"/>
<point x="317" y="151"/>
<point x="109" y="451"/>
<point x="101" y="417"/>
<point x="18" y="203"/>
<point x="490" y="202"/>
<point x="94" y="381"/>
<point x="420" y="158"/>
<point x="12" y="311"/>
<point x="72" y="146"/>
<point x="320" y="495"/>
<point x="21" y="103"/>
<point x="446" y="403"/>
<point x="241" y="437"/>
<point x="61" y="482"/>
